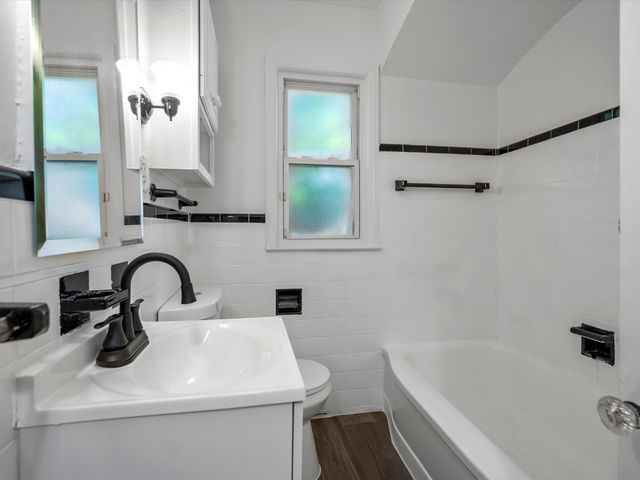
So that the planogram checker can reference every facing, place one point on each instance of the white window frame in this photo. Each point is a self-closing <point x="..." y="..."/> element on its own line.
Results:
<point x="365" y="79"/>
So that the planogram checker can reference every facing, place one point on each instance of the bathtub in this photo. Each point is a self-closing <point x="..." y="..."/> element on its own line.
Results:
<point x="480" y="409"/>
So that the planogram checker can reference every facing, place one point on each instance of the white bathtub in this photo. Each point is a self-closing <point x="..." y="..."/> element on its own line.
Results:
<point x="480" y="409"/>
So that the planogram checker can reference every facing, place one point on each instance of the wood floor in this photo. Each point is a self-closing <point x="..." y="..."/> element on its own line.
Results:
<point x="357" y="447"/>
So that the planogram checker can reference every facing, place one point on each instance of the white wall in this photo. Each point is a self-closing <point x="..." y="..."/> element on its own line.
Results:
<point x="558" y="246"/>
<point x="437" y="113"/>
<point x="558" y="238"/>
<point x="629" y="460"/>
<point x="434" y="278"/>
<point x="571" y="72"/>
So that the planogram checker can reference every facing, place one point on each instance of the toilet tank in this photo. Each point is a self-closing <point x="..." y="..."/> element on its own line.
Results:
<point x="207" y="306"/>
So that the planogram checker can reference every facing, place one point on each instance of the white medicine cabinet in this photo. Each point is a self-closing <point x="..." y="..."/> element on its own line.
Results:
<point x="181" y="34"/>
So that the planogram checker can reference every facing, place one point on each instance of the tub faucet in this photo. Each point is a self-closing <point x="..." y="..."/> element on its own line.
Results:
<point x="126" y="337"/>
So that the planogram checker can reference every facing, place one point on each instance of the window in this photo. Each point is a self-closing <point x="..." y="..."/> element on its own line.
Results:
<point x="73" y="153"/>
<point x="321" y="161"/>
<point x="321" y="157"/>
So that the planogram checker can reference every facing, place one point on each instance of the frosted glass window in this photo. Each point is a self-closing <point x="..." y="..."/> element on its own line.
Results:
<point x="71" y="114"/>
<point x="319" y="124"/>
<point x="321" y="201"/>
<point x="72" y="199"/>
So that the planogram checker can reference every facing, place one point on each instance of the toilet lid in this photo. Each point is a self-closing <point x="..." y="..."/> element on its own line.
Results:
<point x="315" y="376"/>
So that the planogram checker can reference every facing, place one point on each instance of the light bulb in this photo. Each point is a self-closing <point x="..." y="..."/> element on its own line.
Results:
<point x="170" y="77"/>
<point x="129" y="69"/>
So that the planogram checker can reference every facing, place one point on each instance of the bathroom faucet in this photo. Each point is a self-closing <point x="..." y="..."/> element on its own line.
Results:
<point x="126" y="337"/>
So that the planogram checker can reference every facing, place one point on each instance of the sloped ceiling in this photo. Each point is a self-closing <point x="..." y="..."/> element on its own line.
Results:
<point x="470" y="41"/>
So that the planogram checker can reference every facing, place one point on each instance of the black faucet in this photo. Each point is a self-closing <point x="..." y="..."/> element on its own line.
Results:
<point x="126" y="337"/>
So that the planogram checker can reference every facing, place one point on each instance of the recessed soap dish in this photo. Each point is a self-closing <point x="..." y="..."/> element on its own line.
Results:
<point x="596" y="343"/>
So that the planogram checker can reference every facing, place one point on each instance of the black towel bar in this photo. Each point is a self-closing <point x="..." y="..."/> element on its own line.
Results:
<point x="155" y="192"/>
<point x="478" y="187"/>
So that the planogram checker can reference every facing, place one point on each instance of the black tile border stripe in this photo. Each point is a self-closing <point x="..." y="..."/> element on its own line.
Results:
<point x="16" y="184"/>
<point x="585" y="122"/>
<point x="227" y="218"/>
<point x="155" y="211"/>
<point x="132" y="220"/>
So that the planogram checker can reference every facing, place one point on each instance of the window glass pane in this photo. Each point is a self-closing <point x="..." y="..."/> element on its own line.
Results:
<point x="320" y="201"/>
<point x="71" y="114"/>
<point x="72" y="199"/>
<point x="319" y="124"/>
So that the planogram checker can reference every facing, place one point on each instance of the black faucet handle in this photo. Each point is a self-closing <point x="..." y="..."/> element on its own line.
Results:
<point x="115" y="338"/>
<point x="112" y="319"/>
<point x="135" y="314"/>
<point x="137" y="303"/>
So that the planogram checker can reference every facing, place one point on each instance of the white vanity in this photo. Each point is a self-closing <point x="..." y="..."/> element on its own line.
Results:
<point x="189" y="407"/>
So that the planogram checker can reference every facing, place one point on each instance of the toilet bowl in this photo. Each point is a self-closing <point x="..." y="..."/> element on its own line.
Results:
<point x="317" y="385"/>
<point x="316" y="377"/>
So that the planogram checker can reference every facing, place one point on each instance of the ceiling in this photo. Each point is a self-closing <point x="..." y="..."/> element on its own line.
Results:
<point x="470" y="41"/>
<point x="366" y="4"/>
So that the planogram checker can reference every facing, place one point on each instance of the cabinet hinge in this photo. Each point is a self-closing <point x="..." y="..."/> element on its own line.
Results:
<point x="106" y="197"/>
<point x="283" y="196"/>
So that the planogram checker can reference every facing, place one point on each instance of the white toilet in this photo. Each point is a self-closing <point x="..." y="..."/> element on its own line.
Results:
<point x="316" y="377"/>
<point x="207" y="306"/>
<point x="317" y="384"/>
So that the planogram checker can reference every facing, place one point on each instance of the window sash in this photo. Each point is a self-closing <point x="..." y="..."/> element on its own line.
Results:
<point x="355" y="196"/>
<point x="352" y="162"/>
<point x="323" y="87"/>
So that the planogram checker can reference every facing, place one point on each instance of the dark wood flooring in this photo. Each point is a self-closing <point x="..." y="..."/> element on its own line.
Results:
<point x="357" y="447"/>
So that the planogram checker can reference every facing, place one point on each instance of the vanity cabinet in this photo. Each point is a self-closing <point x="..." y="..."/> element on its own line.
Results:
<point x="181" y="32"/>
<point x="234" y="444"/>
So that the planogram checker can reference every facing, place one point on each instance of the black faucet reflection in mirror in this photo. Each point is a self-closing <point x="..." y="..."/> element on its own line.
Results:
<point x="76" y="300"/>
<point x="126" y="337"/>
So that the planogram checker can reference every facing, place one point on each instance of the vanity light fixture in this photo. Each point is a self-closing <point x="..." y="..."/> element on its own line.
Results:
<point x="170" y="80"/>
<point x="169" y="77"/>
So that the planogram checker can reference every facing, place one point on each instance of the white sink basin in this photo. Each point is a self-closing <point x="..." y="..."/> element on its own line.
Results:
<point x="197" y="359"/>
<point x="188" y="366"/>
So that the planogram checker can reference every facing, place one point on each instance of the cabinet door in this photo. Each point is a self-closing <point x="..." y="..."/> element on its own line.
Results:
<point x="209" y="98"/>
<point x="207" y="150"/>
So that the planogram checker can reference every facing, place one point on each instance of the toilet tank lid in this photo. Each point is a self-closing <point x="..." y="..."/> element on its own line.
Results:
<point x="207" y="305"/>
<point x="315" y="376"/>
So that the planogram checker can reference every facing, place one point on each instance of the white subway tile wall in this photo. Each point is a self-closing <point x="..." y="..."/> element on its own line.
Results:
<point x="26" y="278"/>
<point x="536" y="253"/>
<point x="435" y="277"/>
<point x="559" y="246"/>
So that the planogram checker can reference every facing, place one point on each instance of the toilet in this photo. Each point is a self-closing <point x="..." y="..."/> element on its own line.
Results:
<point x="317" y="385"/>
<point x="315" y="376"/>
<point x="207" y="306"/>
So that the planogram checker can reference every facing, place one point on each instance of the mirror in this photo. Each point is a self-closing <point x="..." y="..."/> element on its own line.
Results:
<point x="85" y="134"/>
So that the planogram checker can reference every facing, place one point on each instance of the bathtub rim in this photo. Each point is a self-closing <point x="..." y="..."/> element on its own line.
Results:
<point x="476" y="450"/>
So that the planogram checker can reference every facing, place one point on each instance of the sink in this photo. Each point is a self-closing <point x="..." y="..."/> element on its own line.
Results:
<point x="197" y="359"/>
<point x="194" y="402"/>
<point x="189" y="366"/>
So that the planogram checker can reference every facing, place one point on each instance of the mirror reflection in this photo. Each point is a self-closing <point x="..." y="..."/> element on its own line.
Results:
<point x="86" y="196"/>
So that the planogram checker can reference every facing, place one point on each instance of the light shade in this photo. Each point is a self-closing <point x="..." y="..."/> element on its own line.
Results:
<point x="170" y="78"/>
<point x="129" y="69"/>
